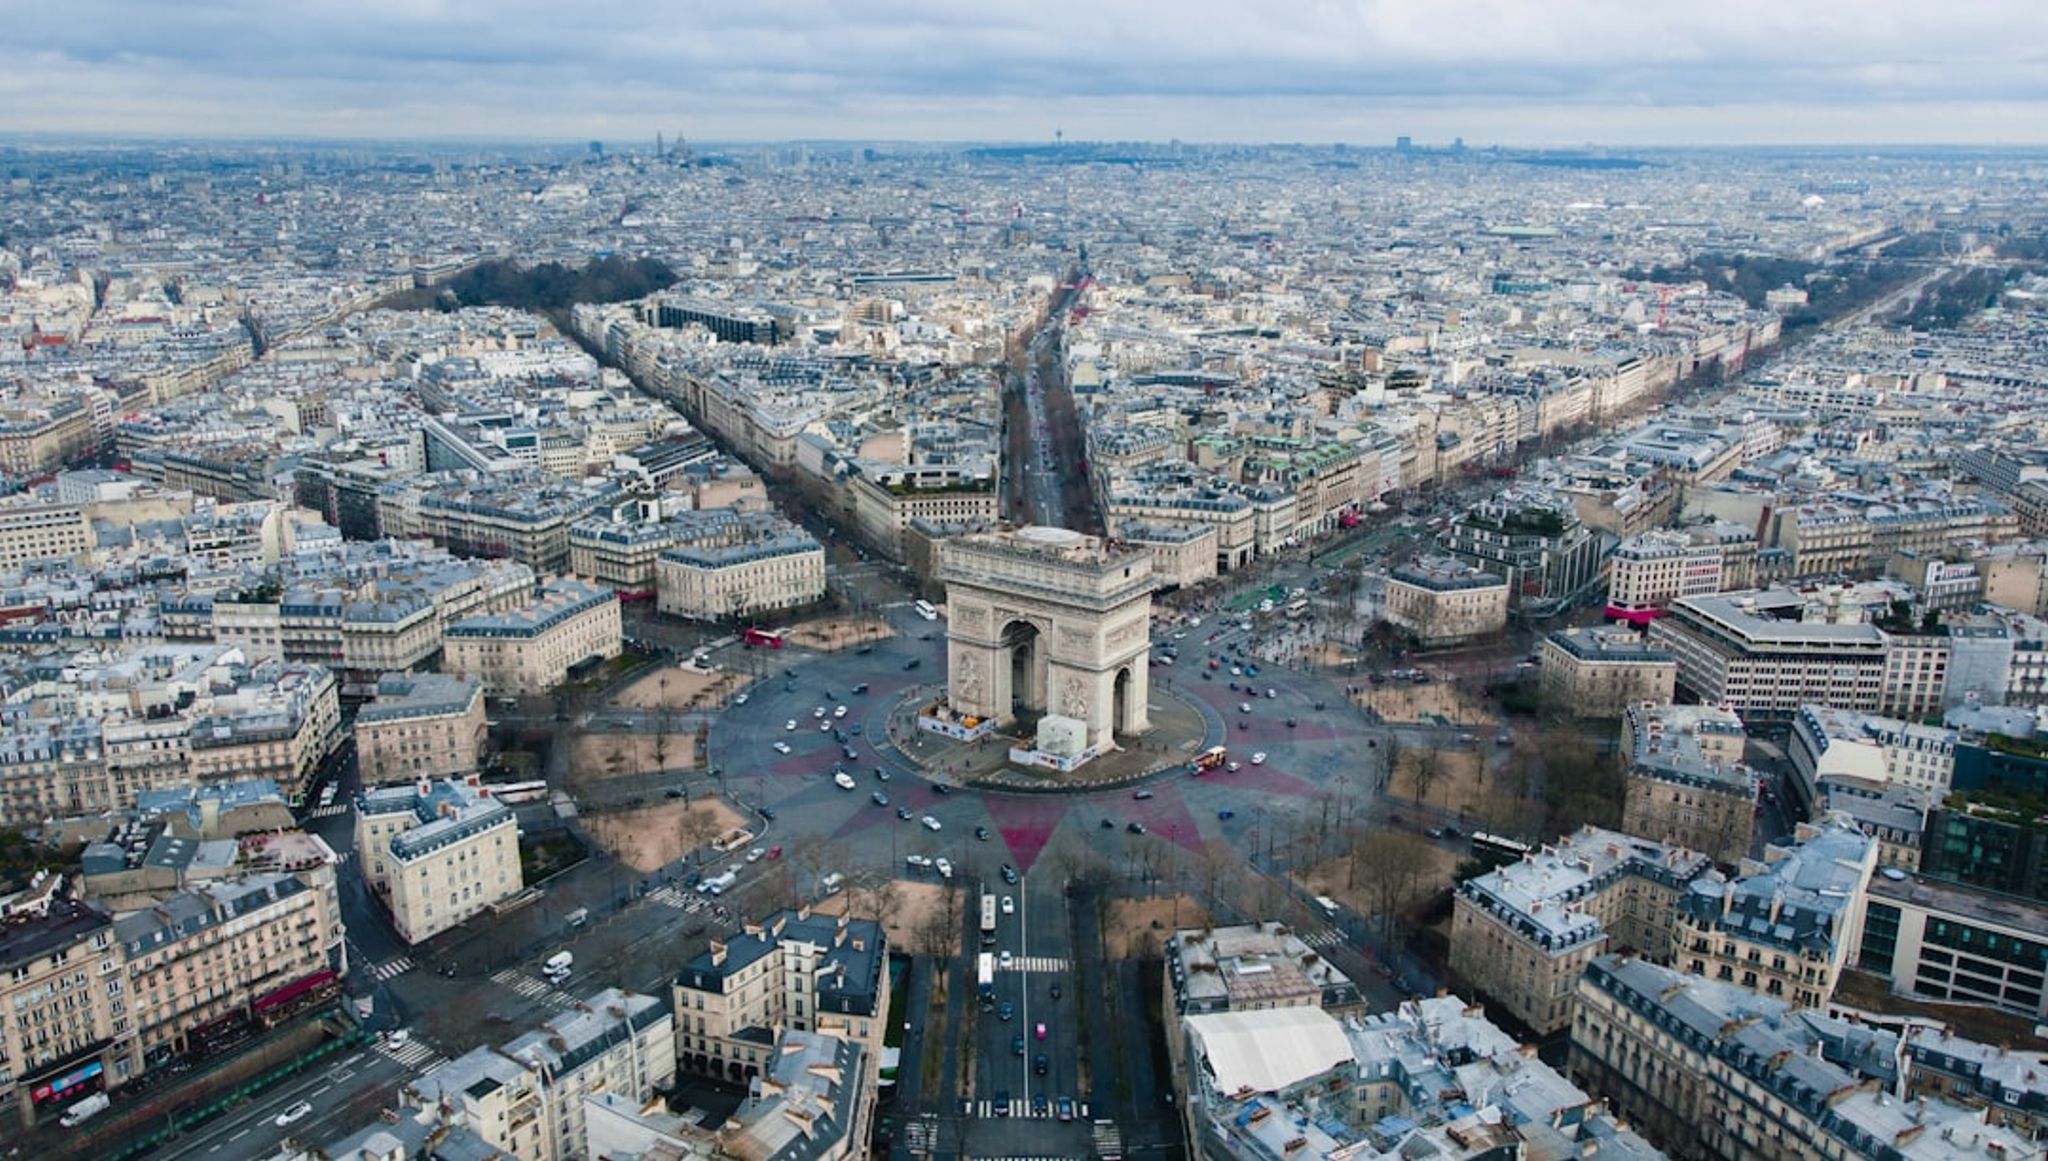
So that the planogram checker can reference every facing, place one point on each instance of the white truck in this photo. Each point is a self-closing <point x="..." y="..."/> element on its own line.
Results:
<point x="717" y="884"/>
<point x="558" y="965"/>
<point x="84" y="1110"/>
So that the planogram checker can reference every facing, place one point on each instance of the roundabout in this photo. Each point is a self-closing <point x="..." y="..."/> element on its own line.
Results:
<point x="901" y="776"/>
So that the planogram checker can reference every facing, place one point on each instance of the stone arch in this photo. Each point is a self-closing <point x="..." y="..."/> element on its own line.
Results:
<point x="1121" y="692"/>
<point x="1026" y="658"/>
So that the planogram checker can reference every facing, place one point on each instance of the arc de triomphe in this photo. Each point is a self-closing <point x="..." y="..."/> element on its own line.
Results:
<point x="1051" y="621"/>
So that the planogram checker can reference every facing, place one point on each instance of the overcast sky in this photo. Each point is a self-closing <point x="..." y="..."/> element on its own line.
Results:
<point x="1533" y="72"/>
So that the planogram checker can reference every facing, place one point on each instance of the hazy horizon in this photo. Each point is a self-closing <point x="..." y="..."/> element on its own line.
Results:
<point x="1553" y="75"/>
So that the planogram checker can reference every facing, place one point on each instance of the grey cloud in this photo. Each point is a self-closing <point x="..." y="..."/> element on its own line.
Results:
<point x="388" y="65"/>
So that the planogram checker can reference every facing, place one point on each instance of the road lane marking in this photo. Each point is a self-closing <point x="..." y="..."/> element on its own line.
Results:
<point x="240" y="1135"/>
<point x="318" y="1091"/>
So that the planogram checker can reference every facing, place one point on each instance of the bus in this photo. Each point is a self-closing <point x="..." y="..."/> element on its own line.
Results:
<point x="1210" y="758"/>
<point x="988" y="920"/>
<point x="927" y="611"/>
<point x="1297" y="609"/>
<point x="765" y="638"/>
<point x="985" y="974"/>
<point x="1498" y="847"/>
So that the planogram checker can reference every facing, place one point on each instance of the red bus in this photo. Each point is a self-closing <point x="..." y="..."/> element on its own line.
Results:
<point x="1210" y="758"/>
<point x="767" y="638"/>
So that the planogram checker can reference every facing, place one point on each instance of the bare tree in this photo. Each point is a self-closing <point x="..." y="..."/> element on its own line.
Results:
<point x="1392" y="864"/>
<point x="699" y="828"/>
<point x="1424" y="772"/>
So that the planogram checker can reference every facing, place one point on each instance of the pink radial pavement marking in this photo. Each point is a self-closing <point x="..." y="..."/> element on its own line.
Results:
<point x="1265" y="780"/>
<point x="1167" y="816"/>
<point x="1026" y="823"/>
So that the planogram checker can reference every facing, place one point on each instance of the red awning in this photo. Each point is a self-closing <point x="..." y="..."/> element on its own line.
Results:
<point x="293" y="990"/>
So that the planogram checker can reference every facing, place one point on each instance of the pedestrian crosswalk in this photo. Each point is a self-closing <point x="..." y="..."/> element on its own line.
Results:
<point x="394" y="967"/>
<point x="1109" y="1143"/>
<point x="677" y="898"/>
<point x="328" y="811"/>
<point x="1323" y="937"/>
<point x="412" y="1054"/>
<point x="531" y="988"/>
<point x="1019" y="1108"/>
<point x="1038" y="963"/>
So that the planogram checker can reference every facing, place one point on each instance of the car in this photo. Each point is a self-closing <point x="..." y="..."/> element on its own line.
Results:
<point x="304" y="1109"/>
<point x="1141" y="795"/>
<point x="1010" y="908"/>
<point x="789" y="673"/>
<point x="825" y="727"/>
<point x="1233" y="687"/>
<point x="945" y="868"/>
<point x="1243" y="725"/>
<point x="1108" y="825"/>
<point x="1064" y="1108"/>
<point x="1244" y="707"/>
<point x="981" y="832"/>
<point x="1002" y="1102"/>
<point x="1004" y="1011"/>
<point x="1039" y="1066"/>
<point x="1259" y="758"/>
<point x="1272" y="693"/>
<point x="1233" y="767"/>
<point x="913" y="663"/>
<point x="790" y="724"/>
<point x="881" y="774"/>
<point x="672" y="792"/>
<point x="739" y="699"/>
<point x="843" y="780"/>
<point x="1236" y="671"/>
<point x="1251" y="671"/>
<point x="774" y="853"/>
<point x="1136" y="828"/>
<point x="397" y="1036"/>
<point x="1005" y="959"/>
<point x="903" y="812"/>
<point x="1041" y="1031"/>
<point x="860" y="689"/>
<point x="768" y="812"/>
<point x="1009" y="873"/>
<point x="880" y="798"/>
<point x="839" y="711"/>
<point x="941" y="788"/>
<point x="856" y="729"/>
<point x="782" y="747"/>
<point x="756" y="855"/>
<point x="852" y="755"/>
<point x="928" y="822"/>
<point x="1226" y="813"/>
<point x="692" y="879"/>
<point x="818" y="712"/>
<point x="1017" y="1044"/>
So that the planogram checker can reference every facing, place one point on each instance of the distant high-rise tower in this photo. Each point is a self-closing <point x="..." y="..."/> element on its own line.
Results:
<point x="660" y="146"/>
<point x="597" y="149"/>
<point x="1403" y="144"/>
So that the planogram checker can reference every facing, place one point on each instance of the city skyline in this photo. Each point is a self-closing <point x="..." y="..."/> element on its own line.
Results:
<point x="1546" y="76"/>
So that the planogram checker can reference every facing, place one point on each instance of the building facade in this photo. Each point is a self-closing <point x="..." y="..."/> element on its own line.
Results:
<point x="437" y="853"/>
<point x="1600" y="672"/>
<point x="1687" y="785"/>
<point x="1442" y="602"/>
<point x="532" y="650"/>
<point x="1785" y="927"/>
<point x="421" y="725"/>
<point x="1522" y="933"/>
<point x="793" y="970"/>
